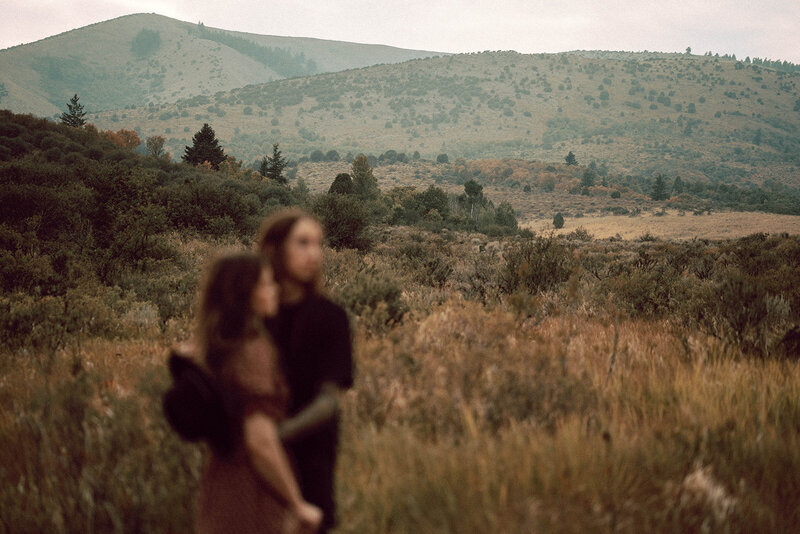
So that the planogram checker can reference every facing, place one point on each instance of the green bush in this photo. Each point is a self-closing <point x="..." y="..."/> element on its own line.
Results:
<point x="541" y="263"/>
<point x="345" y="220"/>
<point x="374" y="296"/>
<point x="740" y="311"/>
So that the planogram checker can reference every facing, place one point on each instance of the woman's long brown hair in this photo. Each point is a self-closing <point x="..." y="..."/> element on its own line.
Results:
<point x="225" y="315"/>
<point x="271" y="243"/>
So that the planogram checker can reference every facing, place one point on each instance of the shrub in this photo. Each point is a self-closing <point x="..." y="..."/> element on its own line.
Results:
<point x="375" y="297"/>
<point x="538" y="264"/>
<point x="345" y="220"/>
<point x="740" y="311"/>
<point x="558" y="221"/>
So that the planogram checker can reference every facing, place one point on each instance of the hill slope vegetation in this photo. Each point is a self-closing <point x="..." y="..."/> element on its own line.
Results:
<point x="143" y="58"/>
<point x="701" y="117"/>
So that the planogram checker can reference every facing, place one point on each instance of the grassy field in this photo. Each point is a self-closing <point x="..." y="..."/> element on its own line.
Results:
<point x="675" y="224"/>
<point x="478" y="405"/>
<point x="506" y="381"/>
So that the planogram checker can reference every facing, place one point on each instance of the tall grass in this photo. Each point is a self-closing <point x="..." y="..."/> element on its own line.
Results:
<point x="473" y="411"/>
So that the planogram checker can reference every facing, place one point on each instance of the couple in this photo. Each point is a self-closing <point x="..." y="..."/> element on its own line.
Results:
<point x="270" y="337"/>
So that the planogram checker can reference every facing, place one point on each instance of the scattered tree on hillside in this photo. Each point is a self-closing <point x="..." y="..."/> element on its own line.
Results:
<point x="587" y="180"/>
<point x="123" y="138"/>
<point x="205" y="147"/>
<point x="3" y="92"/>
<point x="442" y="158"/>
<point x="473" y="192"/>
<point x="342" y="185"/>
<point x="345" y="221"/>
<point x="504" y="215"/>
<point x="570" y="159"/>
<point x="272" y="166"/>
<point x="434" y="199"/>
<point x="677" y="186"/>
<point x="688" y="50"/>
<point x="154" y="146"/>
<point x="365" y="185"/>
<point x="659" y="191"/>
<point x="75" y="115"/>
<point x="558" y="220"/>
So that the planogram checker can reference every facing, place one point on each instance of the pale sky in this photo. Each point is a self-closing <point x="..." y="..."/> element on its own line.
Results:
<point x="769" y="28"/>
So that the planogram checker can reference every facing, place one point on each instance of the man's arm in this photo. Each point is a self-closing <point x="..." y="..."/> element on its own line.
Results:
<point x="270" y="462"/>
<point x="319" y="411"/>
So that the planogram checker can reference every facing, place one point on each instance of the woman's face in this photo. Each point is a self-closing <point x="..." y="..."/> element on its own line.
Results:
<point x="303" y="251"/>
<point x="264" y="300"/>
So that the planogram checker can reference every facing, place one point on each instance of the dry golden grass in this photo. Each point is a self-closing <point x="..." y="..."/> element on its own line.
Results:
<point x="465" y="417"/>
<point x="675" y="225"/>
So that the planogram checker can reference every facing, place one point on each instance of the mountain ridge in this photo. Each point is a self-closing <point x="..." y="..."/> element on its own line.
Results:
<point x="97" y="61"/>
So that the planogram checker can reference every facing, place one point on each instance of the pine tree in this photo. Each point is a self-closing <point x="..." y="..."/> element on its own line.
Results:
<point x="272" y="166"/>
<point x="677" y="186"/>
<point x="365" y="185"/>
<point x="205" y="147"/>
<point x="570" y="159"/>
<point x="74" y="117"/>
<point x="342" y="185"/>
<point x="587" y="180"/>
<point x="659" y="191"/>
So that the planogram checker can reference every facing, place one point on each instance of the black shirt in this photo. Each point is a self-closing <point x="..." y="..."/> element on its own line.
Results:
<point x="313" y="339"/>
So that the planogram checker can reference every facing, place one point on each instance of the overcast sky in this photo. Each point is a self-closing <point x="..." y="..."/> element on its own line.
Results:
<point x="769" y="28"/>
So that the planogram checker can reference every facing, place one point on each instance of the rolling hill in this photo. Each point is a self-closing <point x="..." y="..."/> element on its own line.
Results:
<point x="138" y="59"/>
<point x="701" y="117"/>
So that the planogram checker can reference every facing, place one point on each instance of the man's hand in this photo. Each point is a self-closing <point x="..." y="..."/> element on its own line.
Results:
<point x="322" y="409"/>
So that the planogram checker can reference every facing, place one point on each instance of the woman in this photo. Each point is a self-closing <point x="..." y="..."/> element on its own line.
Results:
<point x="253" y="488"/>
<point x="313" y="335"/>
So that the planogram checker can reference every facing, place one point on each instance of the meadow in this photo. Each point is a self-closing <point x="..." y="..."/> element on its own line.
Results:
<point x="506" y="380"/>
<point x="480" y="402"/>
<point x="675" y="224"/>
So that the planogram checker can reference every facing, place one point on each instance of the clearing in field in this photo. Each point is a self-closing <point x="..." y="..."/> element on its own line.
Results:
<point x="675" y="225"/>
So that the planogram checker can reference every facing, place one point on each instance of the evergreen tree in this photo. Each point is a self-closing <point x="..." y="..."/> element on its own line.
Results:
<point x="365" y="185"/>
<point x="677" y="186"/>
<point x="558" y="220"/>
<point x="205" y="147"/>
<point x="342" y="185"/>
<point x="659" y="191"/>
<point x="570" y="159"/>
<point x="272" y="166"/>
<point x="75" y="116"/>
<point x="504" y="215"/>
<point x="587" y="180"/>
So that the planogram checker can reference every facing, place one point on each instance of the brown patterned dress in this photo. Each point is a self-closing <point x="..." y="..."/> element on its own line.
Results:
<point x="232" y="497"/>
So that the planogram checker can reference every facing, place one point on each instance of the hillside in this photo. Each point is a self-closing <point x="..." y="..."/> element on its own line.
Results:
<point x="697" y="116"/>
<point x="143" y="58"/>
